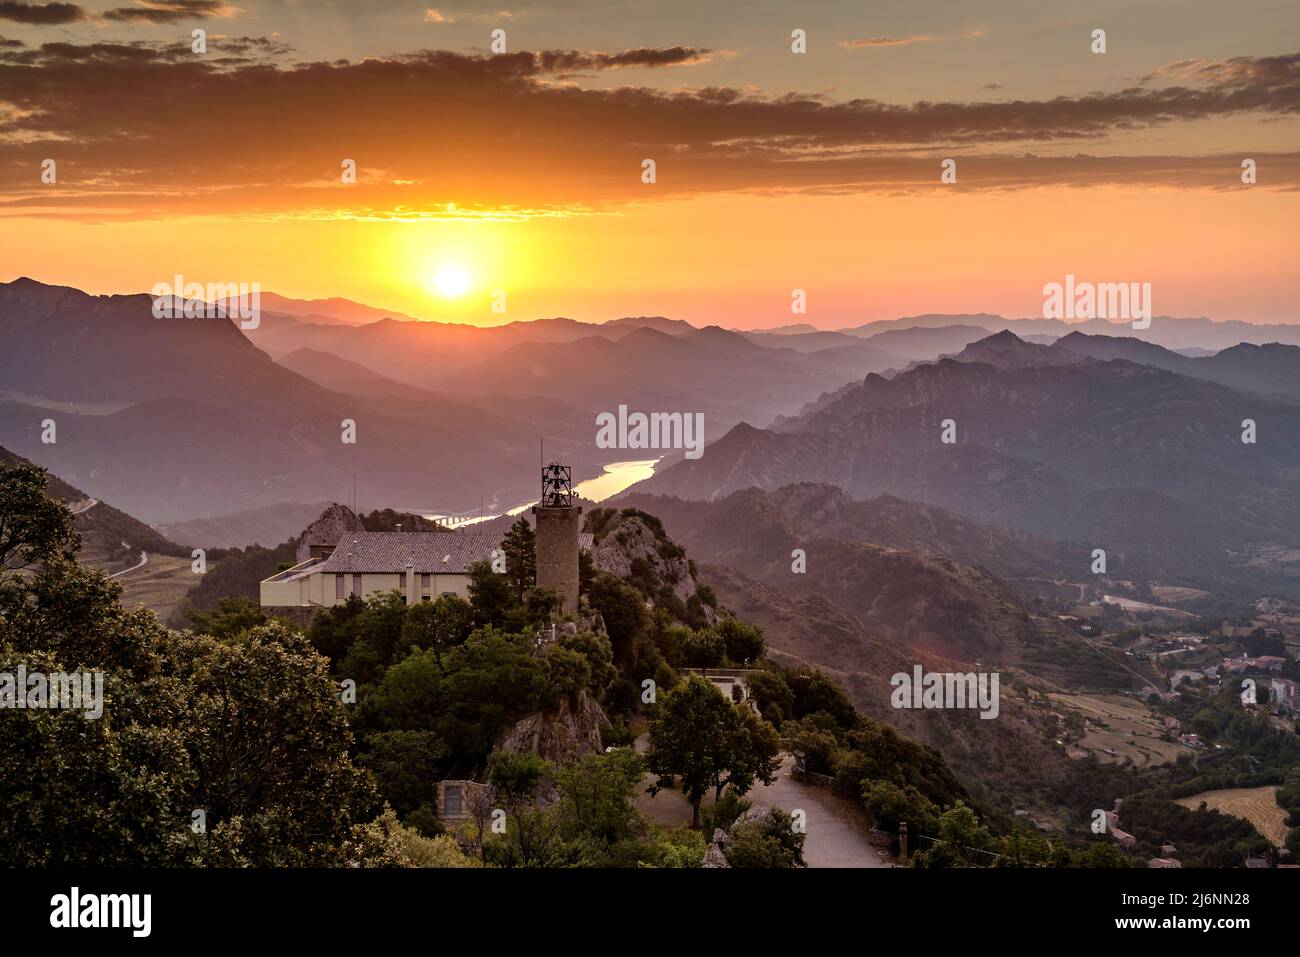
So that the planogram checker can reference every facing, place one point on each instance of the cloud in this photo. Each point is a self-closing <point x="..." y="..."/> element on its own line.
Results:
<point x="490" y="132"/>
<point x="885" y="42"/>
<point x="43" y="14"/>
<point x="434" y="15"/>
<point x="171" y="11"/>
<point x="1272" y="72"/>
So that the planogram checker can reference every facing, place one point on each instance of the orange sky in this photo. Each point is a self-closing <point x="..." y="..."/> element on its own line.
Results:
<point x="774" y="171"/>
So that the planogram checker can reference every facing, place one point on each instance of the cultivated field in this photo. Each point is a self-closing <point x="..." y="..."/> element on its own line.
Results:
<point x="1256" y="805"/>
<point x="1131" y="729"/>
<point x="1177" y="593"/>
<point x="159" y="585"/>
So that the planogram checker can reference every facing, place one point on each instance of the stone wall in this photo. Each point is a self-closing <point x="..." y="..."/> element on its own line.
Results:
<point x="557" y="552"/>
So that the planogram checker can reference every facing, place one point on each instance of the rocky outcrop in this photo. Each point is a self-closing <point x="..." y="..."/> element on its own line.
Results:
<point x="716" y="853"/>
<point x="639" y="552"/>
<point x="563" y="736"/>
<point x="326" y="530"/>
<point x="714" y="857"/>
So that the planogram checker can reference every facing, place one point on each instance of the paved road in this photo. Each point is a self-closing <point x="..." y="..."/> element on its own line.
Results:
<point x="837" y="829"/>
<point x="144" y="557"/>
<point x="81" y="508"/>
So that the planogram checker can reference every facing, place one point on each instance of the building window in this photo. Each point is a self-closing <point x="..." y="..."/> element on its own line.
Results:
<point x="338" y="587"/>
<point x="356" y="585"/>
<point x="424" y="581"/>
<point x="452" y="798"/>
<point x="401" y="585"/>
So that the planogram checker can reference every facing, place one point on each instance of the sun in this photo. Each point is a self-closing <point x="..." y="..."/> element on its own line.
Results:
<point x="451" y="281"/>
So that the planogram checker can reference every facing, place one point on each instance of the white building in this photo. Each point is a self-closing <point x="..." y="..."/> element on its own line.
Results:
<point x="419" y="565"/>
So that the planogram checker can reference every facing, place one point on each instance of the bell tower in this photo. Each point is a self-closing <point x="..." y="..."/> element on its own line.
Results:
<point x="558" y="522"/>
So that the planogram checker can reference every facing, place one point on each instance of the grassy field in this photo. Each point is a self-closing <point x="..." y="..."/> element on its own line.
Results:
<point x="159" y="585"/>
<point x="1255" y="805"/>
<point x="1131" y="729"/>
<point x="1177" y="593"/>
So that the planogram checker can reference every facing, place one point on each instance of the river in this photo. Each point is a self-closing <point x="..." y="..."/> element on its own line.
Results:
<point x="616" y="477"/>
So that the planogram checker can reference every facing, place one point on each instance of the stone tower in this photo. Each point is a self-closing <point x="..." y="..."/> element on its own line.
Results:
<point x="558" y="523"/>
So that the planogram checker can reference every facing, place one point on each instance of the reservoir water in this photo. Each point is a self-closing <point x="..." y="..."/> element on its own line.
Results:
<point x="616" y="477"/>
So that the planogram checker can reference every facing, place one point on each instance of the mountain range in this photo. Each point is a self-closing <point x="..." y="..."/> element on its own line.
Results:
<point x="185" y="418"/>
<point x="1144" y="462"/>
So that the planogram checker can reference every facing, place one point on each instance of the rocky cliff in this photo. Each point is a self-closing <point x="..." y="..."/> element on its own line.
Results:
<point x="633" y="546"/>
<point x="563" y="736"/>
<point x="326" y="530"/>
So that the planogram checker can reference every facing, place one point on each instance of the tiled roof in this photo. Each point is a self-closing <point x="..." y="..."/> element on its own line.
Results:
<point x="444" y="553"/>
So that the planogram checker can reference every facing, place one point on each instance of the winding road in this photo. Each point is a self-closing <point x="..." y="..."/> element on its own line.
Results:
<point x="144" y="557"/>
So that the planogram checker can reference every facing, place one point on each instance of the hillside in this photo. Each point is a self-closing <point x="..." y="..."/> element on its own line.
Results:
<point x="1143" y="461"/>
<point x="110" y="539"/>
<point x="181" y="394"/>
<point x="889" y="566"/>
<point x="730" y="528"/>
<point x="258" y="526"/>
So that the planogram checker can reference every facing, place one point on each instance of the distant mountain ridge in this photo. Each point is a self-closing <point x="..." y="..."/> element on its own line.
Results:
<point x="1146" y="462"/>
<point x="203" y="422"/>
<point x="1167" y="331"/>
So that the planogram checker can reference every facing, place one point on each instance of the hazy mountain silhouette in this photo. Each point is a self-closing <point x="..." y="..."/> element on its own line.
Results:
<point x="1143" y="461"/>
<point x="202" y="422"/>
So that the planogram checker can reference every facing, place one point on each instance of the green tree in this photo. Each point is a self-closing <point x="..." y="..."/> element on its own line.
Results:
<point x="541" y="605"/>
<point x="33" y="529"/>
<point x="530" y="835"/>
<point x="703" y="648"/>
<point x="623" y="610"/>
<point x="742" y="641"/>
<point x="704" y="740"/>
<point x="437" y="625"/>
<point x="773" y="696"/>
<point x="888" y="805"/>
<point x="232" y="616"/>
<point x="334" y="629"/>
<point x="268" y="737"/>
<point x="520" y="548"/>
<point x="249" y="730"/>
<point x="962" y="839"/>
<point x="490" y="595"/>
<point x="599" y="654"/>
<point x="767" y="842"/>
<point x="405" y="765"/>
<point x="754" y="753"/>
<point x="598" y="819"/>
